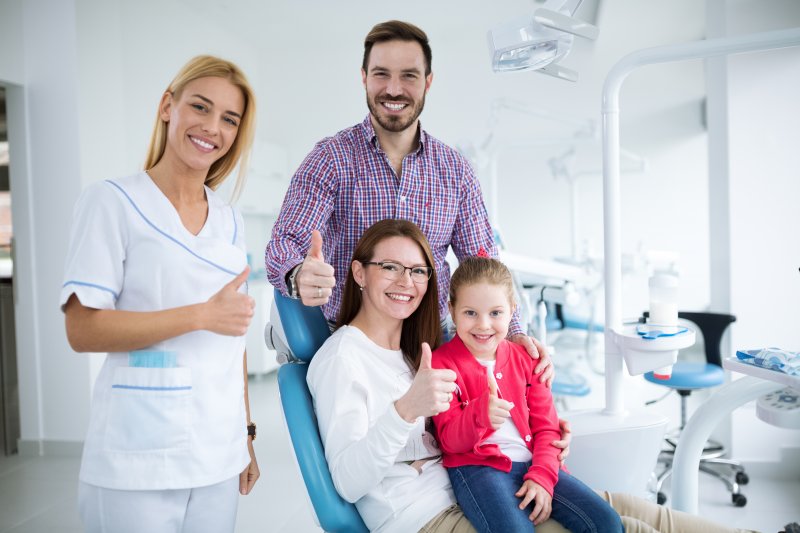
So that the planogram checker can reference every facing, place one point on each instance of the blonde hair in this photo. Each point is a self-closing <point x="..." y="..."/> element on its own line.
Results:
<point x="204" y="67"/>
<point x="473" y="270"/>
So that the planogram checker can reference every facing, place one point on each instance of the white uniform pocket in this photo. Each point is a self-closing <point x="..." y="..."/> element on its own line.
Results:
<point x="149" y="409"/>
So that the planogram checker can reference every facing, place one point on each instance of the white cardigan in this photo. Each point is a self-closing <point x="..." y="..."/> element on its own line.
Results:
<point x="355" y="383"/>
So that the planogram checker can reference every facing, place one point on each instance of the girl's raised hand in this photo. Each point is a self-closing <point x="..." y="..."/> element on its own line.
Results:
<point x="499" y="409"/>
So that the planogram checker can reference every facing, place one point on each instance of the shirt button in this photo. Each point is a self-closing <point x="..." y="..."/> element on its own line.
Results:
<point x="402" y="198"/>
<point x="499" y="375"/>
<point x="527" y="438"/>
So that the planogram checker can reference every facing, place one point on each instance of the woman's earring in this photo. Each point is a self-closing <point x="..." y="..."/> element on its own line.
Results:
<point x="361" y="288"/>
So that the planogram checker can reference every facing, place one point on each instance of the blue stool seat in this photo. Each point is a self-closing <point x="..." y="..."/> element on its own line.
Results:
<point x="570" y="384"/>
<point x="690" y="376"/>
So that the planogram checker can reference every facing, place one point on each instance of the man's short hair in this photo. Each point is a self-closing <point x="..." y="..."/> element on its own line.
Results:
<point x="397" y="30"/>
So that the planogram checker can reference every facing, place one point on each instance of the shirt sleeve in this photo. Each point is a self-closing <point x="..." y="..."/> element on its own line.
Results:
<point x="359" y="456"/>
<point x="308" y="205"/>
<point x="94" y="268"/>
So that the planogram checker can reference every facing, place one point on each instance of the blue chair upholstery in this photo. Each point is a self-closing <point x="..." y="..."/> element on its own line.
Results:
<point x="306" y="330"/>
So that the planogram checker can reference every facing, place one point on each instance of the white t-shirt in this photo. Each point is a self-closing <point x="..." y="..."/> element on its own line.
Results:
<point x="159" y="428"/>
<point x="507" y="437"/>
<point x="355" y="383"/>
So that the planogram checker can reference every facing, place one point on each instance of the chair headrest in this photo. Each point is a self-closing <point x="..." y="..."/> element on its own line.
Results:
<point x="305" y="327"/>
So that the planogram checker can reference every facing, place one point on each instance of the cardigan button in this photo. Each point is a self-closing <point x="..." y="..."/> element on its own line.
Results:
<point x="499" y="375"/>
<point x="527" y="438"/>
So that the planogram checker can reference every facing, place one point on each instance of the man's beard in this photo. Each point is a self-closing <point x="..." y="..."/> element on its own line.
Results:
<point x="394" y="123"/>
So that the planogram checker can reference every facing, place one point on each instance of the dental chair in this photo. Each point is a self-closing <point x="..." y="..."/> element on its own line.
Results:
<point x="686" y="377"/>
<point x="305" y="330"/>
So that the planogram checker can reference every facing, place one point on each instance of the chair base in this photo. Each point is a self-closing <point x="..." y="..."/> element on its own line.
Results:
<point x="731" y="473"/>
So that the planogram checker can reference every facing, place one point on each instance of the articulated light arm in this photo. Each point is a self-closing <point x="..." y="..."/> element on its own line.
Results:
<point x="558" y="21"/>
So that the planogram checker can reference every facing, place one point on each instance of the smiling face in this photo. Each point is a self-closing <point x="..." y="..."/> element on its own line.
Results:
<point x="203" y="121"/>
<point x="482" y="314"/>
<point x="385" y="298"/>
<point x="396" y="84"/>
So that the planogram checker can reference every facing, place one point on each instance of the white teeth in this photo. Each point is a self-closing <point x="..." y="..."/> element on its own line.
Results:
<point x="399" y="297"/>
<point x="207" y="146"/>
<point x="394" y="107"/>
<point x="482" y="337"/>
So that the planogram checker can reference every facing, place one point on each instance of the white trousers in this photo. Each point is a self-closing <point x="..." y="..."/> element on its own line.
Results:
<point x="209" y="509"/>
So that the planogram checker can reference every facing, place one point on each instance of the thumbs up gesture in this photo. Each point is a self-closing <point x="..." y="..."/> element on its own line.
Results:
<point x="499" y="409"/>
<point x="229" y="312"/>
<point x="315" y="280"/>
<point x="430" y="393"/>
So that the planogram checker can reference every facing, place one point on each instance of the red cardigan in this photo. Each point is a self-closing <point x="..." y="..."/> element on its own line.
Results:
<point x="463" y="428"/>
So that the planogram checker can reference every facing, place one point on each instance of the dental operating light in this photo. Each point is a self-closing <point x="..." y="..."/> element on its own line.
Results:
<point x="539" y="41"/>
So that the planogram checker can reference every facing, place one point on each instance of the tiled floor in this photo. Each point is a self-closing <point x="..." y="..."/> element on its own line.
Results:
<point x="38" y="495"/>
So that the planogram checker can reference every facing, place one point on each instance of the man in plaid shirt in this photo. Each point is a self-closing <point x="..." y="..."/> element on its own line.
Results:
<point x="385" y="167"/>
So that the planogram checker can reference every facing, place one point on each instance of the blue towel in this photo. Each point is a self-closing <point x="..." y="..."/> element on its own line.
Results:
<point x="772" y="359"/>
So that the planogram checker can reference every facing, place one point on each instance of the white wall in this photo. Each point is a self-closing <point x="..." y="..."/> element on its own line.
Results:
<point x="11" y="67"/>
<point x="45" y="180"/>
<point x="764" y="186"/>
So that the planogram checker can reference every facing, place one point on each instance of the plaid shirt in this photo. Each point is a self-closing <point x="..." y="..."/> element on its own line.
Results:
<point x="346" y="184"/>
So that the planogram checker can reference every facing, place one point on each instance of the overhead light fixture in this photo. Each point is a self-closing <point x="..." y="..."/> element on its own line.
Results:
<point x="539" y="41"/>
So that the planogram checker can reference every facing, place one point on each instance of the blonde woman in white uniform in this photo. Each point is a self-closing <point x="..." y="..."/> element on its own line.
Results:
<point x="156" y="276"/>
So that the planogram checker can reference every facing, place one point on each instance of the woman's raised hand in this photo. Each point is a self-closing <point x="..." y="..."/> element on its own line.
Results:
<point x="229" y="312"/>
<point x="431" y="391"/>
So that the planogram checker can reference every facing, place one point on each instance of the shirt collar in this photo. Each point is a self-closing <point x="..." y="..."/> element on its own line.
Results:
<point x="372" y="138"/>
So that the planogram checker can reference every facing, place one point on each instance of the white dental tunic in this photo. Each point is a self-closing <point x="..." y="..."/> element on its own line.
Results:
<point x="159" y="428"/>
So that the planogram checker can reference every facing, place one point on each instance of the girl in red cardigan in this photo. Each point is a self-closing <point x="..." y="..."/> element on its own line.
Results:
<point x="497" y="434"/>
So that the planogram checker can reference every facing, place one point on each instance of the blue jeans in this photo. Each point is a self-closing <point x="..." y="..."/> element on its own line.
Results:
<point x="486" y="495"/>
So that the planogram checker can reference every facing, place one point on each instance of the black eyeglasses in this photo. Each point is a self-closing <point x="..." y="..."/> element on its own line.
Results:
<point x="394" y="271"/>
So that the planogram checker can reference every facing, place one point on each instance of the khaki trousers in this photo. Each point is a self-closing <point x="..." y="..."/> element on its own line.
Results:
<point x="638" y="516"/>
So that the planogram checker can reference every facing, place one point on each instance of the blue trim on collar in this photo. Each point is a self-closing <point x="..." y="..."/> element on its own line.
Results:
<point x="171" y="238"/>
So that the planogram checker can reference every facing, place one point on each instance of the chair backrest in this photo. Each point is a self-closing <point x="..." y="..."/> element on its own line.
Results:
<point x="306" y="330"/>
<point x="712" y="326"/>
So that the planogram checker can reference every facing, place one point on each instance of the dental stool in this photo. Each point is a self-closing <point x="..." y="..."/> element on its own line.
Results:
<point x="686" y="377"/>
<point x="305" y="330"/>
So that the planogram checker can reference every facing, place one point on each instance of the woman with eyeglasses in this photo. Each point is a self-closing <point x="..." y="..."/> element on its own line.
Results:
<point x="375" y="392"/>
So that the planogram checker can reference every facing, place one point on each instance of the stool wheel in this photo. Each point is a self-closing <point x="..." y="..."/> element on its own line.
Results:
<point x="739" y="500"/>
<point x="661" y="498"/>
<point x="742" y="478"/>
